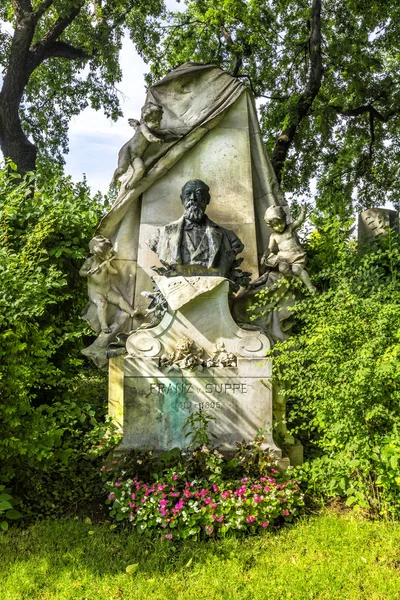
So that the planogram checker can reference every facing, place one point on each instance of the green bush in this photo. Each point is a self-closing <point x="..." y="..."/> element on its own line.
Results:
<point x="52" y="402"/>
<point x="340" y="373"/>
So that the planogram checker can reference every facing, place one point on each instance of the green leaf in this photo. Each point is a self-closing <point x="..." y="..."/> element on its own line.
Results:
<point x="350" y="501"/>
<point x="13" y="514"/>
<point x="131" y="569"/>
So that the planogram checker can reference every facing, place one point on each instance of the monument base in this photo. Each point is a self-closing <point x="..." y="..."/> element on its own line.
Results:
<point x="197" y="358"/>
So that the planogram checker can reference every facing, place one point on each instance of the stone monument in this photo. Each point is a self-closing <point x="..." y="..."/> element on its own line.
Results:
<point x="166" y="291"/>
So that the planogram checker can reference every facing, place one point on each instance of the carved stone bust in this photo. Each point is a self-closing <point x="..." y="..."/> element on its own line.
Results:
<point x="195" y="245"/>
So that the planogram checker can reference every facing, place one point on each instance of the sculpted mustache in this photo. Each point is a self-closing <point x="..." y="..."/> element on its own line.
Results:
<point x="192" y="204"/>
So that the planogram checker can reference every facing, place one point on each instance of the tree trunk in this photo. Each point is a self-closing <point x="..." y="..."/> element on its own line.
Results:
<point x="14" y="143"/>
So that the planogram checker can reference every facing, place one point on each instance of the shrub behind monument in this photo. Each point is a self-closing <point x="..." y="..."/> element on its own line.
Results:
<point x="52" y="401"/>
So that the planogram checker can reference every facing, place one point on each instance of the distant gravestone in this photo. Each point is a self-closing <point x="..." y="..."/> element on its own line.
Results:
<point x="376" y="221"/>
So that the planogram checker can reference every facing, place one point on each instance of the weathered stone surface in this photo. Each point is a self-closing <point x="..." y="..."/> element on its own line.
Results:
<point x="222" y="159"/>
<point x="156" y="401"/>
<point x="210" y="130"/>
<point x="376" y="221"/>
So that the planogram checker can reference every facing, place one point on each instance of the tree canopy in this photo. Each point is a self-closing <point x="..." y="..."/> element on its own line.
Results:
<point x="61" y="57"/>
<point x="327" y="78"/>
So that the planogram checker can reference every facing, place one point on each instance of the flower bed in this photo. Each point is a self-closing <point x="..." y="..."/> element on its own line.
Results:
<point x="175" y="508"/>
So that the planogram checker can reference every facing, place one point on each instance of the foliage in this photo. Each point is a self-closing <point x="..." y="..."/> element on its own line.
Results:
<point x="7" y="510"/>
<point x="340" y="374"/>
<point x="52" y="402"/>
<point x="347" y="143"/>
<point x="198" y="422"/>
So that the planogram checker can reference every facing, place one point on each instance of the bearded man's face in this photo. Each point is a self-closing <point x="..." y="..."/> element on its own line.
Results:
<point x="195" y="199"/>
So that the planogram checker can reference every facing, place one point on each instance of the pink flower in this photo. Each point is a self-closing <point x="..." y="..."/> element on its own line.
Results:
<point x="168" y="536"/>
<point x="187" y="493"/>
<point x="132" y="504"/>
<point x="215" y="488"/>
<point x="274" y="471"/>
<point x="111" y="496"/>
<point x="250" y="518"/>
<point x="226" y="494"/>
<point x="118" y="484"/>
<point x="265" y="524"/>
<point x="220" y="519"/>
<point x="244" y="480"/>
<point x="174" y="477"/>
<point x="285" y="512"/>
<point x="213" y="516"/>
<point x="258" y="498"/>
<point x="208" y="529"/>
<point x="262" y="479"/>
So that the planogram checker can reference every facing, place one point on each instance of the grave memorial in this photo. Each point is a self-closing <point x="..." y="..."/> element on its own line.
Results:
<point x="175" y="257"/>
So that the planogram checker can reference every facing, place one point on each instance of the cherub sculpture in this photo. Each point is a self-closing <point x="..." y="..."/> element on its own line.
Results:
<point x="284" y="250"/>
<point x="102" y="290"/>
<point x="131" y="153"/>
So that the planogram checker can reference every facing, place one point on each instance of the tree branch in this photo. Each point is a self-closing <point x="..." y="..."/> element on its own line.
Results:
<point x="237" y="56"/>
<point x="306" y="99"/>
<point x="64" y="50"/>
<point x="372" y="134"/>
<point x="41" y="9"/>
<point x="42" y="49"/>
<point x="373" y="114"/>
<point x="361" y="110"/>
<point x="256" y="94"/>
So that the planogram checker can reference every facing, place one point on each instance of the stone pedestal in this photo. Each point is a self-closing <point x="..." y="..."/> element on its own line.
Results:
<point x="221" y="370"/>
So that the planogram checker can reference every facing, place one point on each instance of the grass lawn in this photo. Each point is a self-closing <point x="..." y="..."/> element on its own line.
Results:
<point x="326" y="556"/>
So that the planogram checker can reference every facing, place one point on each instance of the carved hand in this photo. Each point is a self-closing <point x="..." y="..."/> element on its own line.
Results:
<point x="156" y="140"/>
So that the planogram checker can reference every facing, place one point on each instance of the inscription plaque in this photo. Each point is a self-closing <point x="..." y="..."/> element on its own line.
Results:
<point x="158" y="403"/>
